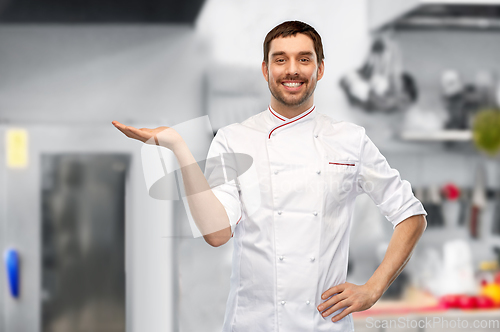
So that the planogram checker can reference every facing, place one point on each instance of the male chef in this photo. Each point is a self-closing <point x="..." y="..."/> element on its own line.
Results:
<point x="290" y="255"/>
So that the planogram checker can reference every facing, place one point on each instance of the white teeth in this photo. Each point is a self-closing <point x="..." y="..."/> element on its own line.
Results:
<point x="292" y="85"/>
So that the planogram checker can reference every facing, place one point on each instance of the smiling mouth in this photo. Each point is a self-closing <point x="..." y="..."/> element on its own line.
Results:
<point x="292" y="84"/>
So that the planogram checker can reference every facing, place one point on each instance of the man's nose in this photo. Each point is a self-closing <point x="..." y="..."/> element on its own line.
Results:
<point x="292" y="68"/>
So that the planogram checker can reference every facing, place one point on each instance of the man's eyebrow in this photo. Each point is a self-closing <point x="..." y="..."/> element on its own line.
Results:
<point x="277" y="53"/>
<point x="306" y="53"/>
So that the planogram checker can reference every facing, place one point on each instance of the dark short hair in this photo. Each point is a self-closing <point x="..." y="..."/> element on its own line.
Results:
<point x="291" y="28"/>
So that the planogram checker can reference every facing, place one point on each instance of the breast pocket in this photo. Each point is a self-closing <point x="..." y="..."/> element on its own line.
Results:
<point x="340" y="179"/>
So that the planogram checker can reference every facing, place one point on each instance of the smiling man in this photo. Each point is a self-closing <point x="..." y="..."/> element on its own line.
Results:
<point x="292" y="66"/>
<point x="290" y="256"/>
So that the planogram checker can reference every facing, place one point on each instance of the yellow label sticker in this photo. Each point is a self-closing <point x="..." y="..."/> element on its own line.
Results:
<point x="17" y="148"/>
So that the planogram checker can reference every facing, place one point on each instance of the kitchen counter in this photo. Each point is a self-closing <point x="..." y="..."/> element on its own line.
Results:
<point x="420" y="311"/>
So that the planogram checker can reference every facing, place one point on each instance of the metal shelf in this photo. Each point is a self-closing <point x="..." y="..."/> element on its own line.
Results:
<point x="467" y="14"/>
<point x="438" y="136"/>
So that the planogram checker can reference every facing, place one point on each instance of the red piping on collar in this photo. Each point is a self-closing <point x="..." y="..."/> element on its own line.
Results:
<point x="342" y="164"/>
<point x="291" y="121"/>
<point x="275" y="114"/>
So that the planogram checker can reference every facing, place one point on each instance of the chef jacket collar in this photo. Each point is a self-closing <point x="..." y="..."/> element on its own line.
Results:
<point x="276" y="118"/>
<point x="279" y="121"/>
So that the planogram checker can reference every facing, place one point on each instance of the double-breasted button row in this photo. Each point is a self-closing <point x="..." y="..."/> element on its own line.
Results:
<point x="284" y="302"/>
<point x="311" y="258"/>
<point x="315" y="213"/>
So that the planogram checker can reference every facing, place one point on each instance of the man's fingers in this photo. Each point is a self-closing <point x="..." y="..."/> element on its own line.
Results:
<point x="118" y="125"/>
<point x="132" y="132"/>
<point x="339" y="305"/>
<point x="331" y="301"/>
<point x="344" y="313"/>
<point x="127" y="132"/>
<point x="122" y="129"/>
<point x="333" y="290"/>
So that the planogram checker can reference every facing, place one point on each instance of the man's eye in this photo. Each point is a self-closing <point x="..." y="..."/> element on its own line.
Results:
<point x="280" y="60"/>
<point x="304" y="60"/>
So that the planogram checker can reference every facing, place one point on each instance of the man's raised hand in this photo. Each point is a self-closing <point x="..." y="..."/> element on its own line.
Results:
<point x="163" y="136"/>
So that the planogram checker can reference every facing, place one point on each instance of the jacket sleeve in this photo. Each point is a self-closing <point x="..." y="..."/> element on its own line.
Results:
<point x="217" y="175"/>
<point x="392" y="195"/>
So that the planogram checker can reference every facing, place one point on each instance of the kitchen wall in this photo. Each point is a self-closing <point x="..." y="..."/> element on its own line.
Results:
<point x="55" y="77"/>
<point x="96" y="74"/>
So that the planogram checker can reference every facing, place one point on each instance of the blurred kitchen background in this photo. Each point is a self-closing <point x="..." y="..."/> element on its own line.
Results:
<point x="85" y="248"/>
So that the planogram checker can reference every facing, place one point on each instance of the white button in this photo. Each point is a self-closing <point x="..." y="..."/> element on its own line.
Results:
<point x="276" y="172"/>
<point x="315" y="213"/>
<point x="279" y="212"/>
<point x="316" y="135"/>
<point x="274" y="133"/>
<point x="281" y="258"/>
<point x="312" y="259"/>
<point x="307" y="302"/>
<point x="318" y="172"/>
<point x="283" y="302"/>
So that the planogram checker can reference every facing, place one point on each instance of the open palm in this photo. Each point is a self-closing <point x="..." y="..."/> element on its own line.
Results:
<point x="163" y="136"/>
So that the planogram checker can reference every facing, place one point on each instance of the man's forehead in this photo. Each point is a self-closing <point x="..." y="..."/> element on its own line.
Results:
<point x="300" y="43"/>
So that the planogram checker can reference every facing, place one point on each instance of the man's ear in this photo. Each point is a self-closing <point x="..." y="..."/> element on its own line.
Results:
<point x="321" y="69"/>
<point x="265" y="71"/>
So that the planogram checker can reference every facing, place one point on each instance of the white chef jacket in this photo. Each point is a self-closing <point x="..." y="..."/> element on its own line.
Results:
<point x="295" y="245"/>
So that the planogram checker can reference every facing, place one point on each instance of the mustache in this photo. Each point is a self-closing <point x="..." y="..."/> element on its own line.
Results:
<point x="293" y="78"/>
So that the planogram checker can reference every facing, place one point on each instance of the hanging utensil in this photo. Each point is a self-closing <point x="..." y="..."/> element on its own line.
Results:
<point x="478" y="201"/>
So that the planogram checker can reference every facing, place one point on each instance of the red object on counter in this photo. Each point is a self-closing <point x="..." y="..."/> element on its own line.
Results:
<point x="451" y="191"/>
<point x="484" y="302"/>
<point x="462" y="301"/>
<point x="450" y="301"/>
<point x="467" y="302"/>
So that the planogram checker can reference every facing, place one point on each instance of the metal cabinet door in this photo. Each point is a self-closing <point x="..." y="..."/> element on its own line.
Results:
<point x="147" y="235"/>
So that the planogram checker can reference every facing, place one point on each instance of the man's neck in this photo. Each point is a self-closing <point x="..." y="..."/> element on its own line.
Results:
<point x="290" y="112"/>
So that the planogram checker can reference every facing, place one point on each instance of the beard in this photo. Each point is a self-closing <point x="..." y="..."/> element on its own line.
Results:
<point x="292" y="100"/>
